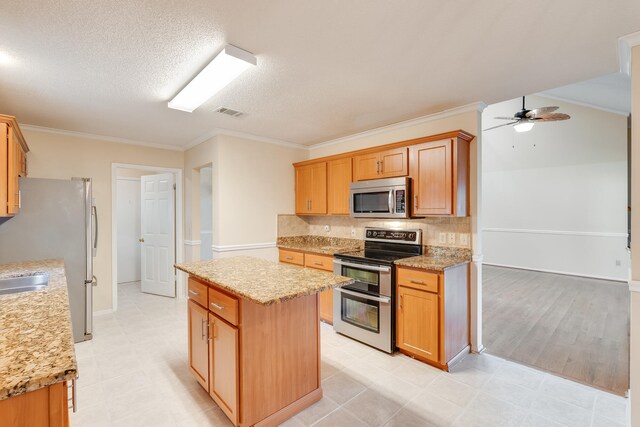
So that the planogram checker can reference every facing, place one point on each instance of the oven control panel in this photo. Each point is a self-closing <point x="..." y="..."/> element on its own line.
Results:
<point x="397" y="236"/>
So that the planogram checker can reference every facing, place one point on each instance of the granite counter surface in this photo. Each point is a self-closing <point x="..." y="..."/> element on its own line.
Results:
<point x="431" y="262"/>
<point x="261" y="281"/>
<point x="319" y="244"/>
<point x="36" y="341"/>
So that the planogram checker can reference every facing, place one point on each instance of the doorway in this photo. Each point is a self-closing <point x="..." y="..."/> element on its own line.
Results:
<point x="555" y="243"/>
<point x="206" y="213"/>
<point x="147" y="230"/>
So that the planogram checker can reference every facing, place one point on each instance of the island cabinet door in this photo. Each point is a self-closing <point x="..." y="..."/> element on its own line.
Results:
<point x="223" y="365"/>
<point x="198" y="347"/>
<point x="417" y="322"/>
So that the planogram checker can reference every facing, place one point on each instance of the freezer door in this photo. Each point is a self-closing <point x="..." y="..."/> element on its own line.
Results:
<point x="52" y="224"/>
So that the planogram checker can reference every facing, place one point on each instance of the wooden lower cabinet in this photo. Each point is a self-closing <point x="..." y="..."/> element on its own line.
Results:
<point x="432" y="316"/>
<point x="417" y="319"/>
<point x="198" y="344"/>
<point x="264" y="370"/>
<point x="319" y="262"/>
<point x="223" y="366"/>
<point x="45" y="407"/>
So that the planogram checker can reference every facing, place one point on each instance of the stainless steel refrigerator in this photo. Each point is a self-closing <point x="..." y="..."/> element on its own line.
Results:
<point x="57" y="219"/>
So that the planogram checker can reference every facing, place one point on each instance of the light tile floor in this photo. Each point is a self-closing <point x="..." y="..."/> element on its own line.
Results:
<point x="134" y="373"/>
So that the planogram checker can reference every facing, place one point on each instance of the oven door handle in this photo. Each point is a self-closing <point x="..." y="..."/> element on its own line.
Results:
<point x="385" y="300"/>
<point x="363" y="266"/>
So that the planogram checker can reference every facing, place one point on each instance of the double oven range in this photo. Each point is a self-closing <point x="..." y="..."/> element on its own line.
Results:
<point x="364" y="310"/>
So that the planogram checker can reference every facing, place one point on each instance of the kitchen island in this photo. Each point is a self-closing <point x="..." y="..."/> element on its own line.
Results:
<point x="37" y="356"/>
<point x="254" y="337"/>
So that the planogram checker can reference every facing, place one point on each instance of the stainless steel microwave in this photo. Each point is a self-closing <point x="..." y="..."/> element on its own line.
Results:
<point x="380" y="198"/>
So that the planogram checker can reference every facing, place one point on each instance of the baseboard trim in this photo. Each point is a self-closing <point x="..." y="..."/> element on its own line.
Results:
<point x="103" y="312"/>
<point x="249" y="246"/>
<point x="565" y="273"/>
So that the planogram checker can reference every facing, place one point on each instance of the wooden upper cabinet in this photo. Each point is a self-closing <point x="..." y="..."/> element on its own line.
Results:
<point x="311" y="189"/>
<point x="440" y="172"/>
<point x="382" y="164"/>
<point x="13" y="165"/>
<point x="338" y="186"/>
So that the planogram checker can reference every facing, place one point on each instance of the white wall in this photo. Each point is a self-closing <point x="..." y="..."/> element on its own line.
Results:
<point x="252" y="183"/>
<point x="128" y="211"/>
<point x="206" y="212"/>
<point x="555" y="198"/>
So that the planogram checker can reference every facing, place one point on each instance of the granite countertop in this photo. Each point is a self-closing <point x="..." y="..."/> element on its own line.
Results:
<point x="319" y="244"/>
<point x="261" y="281"/>
<point x="432" y="262"/>
<point x="36" y="341"/>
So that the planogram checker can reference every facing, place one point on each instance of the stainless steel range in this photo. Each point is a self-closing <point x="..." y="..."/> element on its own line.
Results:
<point x="364" y="310"/>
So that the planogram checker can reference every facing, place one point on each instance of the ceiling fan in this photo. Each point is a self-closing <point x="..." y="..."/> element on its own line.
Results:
<point x="524" y="119"/>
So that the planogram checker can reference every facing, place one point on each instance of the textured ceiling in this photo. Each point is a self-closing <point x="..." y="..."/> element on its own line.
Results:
<point x="325" y="68"/>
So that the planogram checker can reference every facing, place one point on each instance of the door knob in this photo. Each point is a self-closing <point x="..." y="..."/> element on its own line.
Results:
<point x="141" y="240"/>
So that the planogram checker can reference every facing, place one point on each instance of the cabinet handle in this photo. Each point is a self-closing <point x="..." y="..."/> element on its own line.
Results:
<point x="377" y="167"/>
<point x="318" y="263"/>
<point x="289" y="258"/>
<point x="415" y="203"/>
<point x="400" y="302"/>
<point x="417" y="282"/>
<point x="212" y="325"/>
<point x="202" y="330"/>
<point x="192" y="292"/>
<point x="381" y="167"/>
<point x="309" y="204"/>
<point x="219" y="307"/>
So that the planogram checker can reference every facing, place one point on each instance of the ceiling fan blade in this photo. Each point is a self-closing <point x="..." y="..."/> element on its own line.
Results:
<point x="553" y="117"/>
<point x="499" y="126"/>
<point x="542" y="110"/>
<point x="506" y="118"/>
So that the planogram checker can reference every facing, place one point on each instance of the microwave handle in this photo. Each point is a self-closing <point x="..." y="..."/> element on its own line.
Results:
<point x="391" y="207"/>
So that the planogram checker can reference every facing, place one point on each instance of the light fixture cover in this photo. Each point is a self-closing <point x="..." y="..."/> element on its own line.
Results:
<point x="523" y="126"/>
<point x="221" y="71"/>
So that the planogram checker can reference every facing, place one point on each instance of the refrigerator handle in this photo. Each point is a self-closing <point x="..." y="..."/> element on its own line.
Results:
<point x="95" y="229"/>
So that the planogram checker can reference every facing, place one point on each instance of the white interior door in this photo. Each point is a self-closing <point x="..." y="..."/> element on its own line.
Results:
<point x="157" y="213"/>
<point x="128" y="211"/>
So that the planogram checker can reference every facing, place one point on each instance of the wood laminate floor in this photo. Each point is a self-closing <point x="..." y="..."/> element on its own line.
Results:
<point x="575" y="327"/>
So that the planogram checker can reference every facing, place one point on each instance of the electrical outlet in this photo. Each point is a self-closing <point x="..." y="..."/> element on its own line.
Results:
<point x="353" y="232"/>
<point x="464" y="239"/>
<point x="442" y="238"/>
<point x="327" y="228"/>
<point x="618" y="263"/>
<point x="451" y="238"/>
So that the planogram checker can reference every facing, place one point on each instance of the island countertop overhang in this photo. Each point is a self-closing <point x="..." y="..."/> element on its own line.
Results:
<point x="261" y="281"/>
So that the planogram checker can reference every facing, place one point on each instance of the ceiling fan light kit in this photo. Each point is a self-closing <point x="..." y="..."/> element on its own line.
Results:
<point x="523" y="126"/>
<point x="524" y="119"/>
<point x="222" y="70"/>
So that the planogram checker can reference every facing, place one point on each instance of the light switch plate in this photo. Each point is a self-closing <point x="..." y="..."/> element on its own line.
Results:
<point x="442" y="238"/>
<point x="451" y="238"/>
<point x="464" y="239"/>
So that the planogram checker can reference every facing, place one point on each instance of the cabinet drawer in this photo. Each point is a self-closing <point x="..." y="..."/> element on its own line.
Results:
<point x="291" y="257"/>
<point x="319" y="262"/>
<point x="224" y="306"/>
<point x="417" y="279"/>
<point x="197" y="291"/>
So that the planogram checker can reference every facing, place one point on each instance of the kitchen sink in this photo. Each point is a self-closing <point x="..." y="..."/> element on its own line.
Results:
<point x="23" y="284"/>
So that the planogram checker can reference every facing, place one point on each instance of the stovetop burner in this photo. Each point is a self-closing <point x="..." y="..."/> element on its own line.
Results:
<point x="383" y="246"/>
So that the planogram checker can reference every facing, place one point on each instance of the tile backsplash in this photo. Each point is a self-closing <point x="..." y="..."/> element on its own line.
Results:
<point x="346" y="227"/>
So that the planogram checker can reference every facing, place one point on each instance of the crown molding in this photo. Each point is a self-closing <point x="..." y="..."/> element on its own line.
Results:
<point x="236" y="134"/>
<point x="105" y="138"/>
<point x="476" y="106"/>
<point x="583" y="104"/>
<point x="625" y="43"/>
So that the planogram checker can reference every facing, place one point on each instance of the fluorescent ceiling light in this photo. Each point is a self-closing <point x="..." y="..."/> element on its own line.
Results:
<point x="221" y="71"/>
<point x="523" y="126"/>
